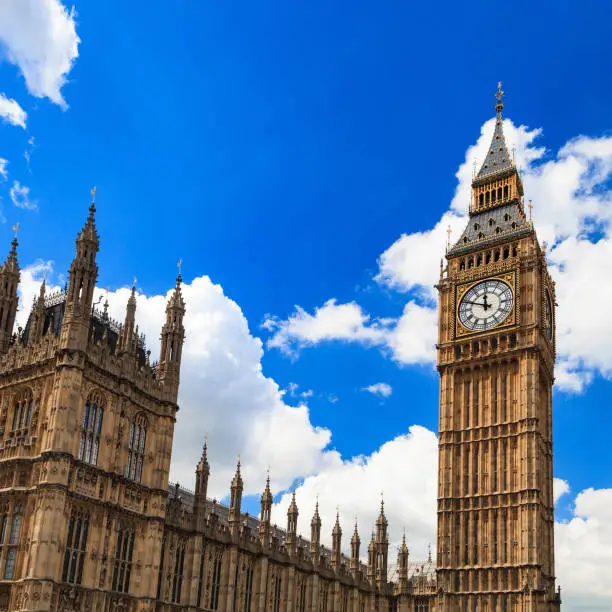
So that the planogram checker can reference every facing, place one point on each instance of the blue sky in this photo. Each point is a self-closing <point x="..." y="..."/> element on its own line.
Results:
<point x="282" y="149"/>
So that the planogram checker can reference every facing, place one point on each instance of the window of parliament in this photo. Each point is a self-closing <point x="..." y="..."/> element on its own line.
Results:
<point x="89" y="521"/>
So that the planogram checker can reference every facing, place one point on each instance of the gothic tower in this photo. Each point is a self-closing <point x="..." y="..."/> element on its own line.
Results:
<point x="496" y="355"/>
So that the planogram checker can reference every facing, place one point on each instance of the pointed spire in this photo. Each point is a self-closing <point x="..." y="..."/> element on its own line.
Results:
<point x="10" y="263"/>
<point x="498" y="159"/>
<point x="128" y="339"/>
<point x="356" y="537"/>
<point x="293" y="509"/>
<point x="337" y="529"/>
<point x="266" y="510"/>
<point x="9" y="280"/>
<point x="89" y="232"/>
<point x="237" y="481"/>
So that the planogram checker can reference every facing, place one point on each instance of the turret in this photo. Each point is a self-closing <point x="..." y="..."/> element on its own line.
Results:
<point x="127" y="341"/>
<point x="315" y="534"/>
<point x="265" y="516"/>
<point x="292" y="517"/>
<point x="201" y="486"/>
<point x="372" y="560"/>
<point x="172" y="336"/>
<point x="9" y="281"/>
<point x="402" y="563"/>
<point x="355" y="544"/>
<point x="337" y="543"/>
<point x="382" y="546"/>
<point x="235" y="500"/>
<point x="81" y="284"/>
<point x="37" y="321"/>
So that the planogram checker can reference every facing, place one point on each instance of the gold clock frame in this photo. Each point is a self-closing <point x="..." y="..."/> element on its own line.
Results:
<point x="509" y="278"/>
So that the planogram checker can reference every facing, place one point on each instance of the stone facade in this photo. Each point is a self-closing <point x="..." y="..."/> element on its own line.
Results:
<point x="88" y="520"/>
<point x="496" y="355"/>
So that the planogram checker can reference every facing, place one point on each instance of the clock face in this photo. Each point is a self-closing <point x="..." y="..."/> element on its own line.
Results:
<point x="485" y="305"/>
<point x="548" y="316"/>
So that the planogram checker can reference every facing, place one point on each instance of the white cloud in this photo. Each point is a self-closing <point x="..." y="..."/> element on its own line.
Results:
<point x="20" y="196"/>
<point x="356" y="485"/>
<point x="39" y="36"/>
<point x="380" y="389"/>
<point x="11" y="112"/>
<point x="560" y="488"/>
<point x="3" y="170"/>
<point x="332" y="321"/>
<point x="583" y="550"/>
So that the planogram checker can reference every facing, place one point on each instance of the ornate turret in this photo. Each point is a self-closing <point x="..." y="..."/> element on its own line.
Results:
<point x="81" y="284"/>
<point x="37" y="321"/>
<point x="292" y="517"/>
<point x="337" y="543"/>
<point x="235" y="500"/>
<point x="128" y="339"/>
<point x="372" y="560"/>
<point x="9" y="281"/>
<point x="315" y="534"/>
<point x="382" y="545"/>
<point x="172" y="336"/>
<point x="266" y="514"/>
<point x="201" y="486"/>
<point x="402" y="563"/>
<point x="355" y="544"/>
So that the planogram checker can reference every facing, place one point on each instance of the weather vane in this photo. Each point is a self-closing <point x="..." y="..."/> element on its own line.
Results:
<point x="449" y="231"/>
<point x="180" y="265"/>
<point x="500" y="94"/>
<point x="93" y="193"/>
<point x="16" y="229"/>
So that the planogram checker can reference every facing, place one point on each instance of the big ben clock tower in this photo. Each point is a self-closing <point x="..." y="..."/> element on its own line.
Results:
<point x="496" y="355"/>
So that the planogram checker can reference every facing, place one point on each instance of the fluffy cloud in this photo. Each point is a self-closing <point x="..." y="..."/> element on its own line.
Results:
<point x="3" y="170"/>
<point x="11" y="112"/>
<point x="560" y="488"/>
<point x="583" y="549"/>
<point x="380" y="389"/>
<point x="20" y="196"/>
<point x="356" y="486"/>
<point x="39" y="37"/>
<point x="223" y="391"/>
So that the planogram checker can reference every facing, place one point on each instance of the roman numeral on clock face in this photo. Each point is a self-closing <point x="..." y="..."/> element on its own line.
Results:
<point x="485" y="305"/>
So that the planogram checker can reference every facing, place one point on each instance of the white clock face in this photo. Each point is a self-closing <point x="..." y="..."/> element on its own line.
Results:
<point x="485" y="305"/>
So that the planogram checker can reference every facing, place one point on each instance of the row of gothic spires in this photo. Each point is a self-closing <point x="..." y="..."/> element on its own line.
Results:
<point x="75" y="330"/>
<point x="378" y="548"/>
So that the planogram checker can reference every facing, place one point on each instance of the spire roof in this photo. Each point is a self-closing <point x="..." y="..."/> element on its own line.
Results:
<point x="10" y="263"/>
<point x="237" y="481"/>
<point x="316" y="519"/>
<point x="355" y="537"/>
<point x="337" y="529"/>
<point x="89" y="231"/>
<point x="293" y="509"/>
<point x="497" y="159"/>
<point x="267" y="494"/>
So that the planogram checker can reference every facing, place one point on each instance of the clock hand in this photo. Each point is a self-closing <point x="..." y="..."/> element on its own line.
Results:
<point x="486" y="305"/>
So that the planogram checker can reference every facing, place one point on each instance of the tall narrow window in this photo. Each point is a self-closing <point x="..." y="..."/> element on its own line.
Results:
<point x="277" y="594"/>
<point x="74" y="556"/>
<point x="123" y="558"/>
<point x="22" y="413"/>
<point x="177" y="578"/>
<point x="138" y="437"/>
<point x="161" y="571"/>
<point x="200" y="580"/>
<point x="216" y="581"/>
<point x="11" y="556"/>
<point x="91" y="429"/>
<point x="248" y="588"/>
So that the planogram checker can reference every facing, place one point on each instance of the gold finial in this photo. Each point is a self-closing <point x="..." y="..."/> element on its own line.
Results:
<point x="179" y="265"/>
<point x="93" y="191"/>
<point x="500" y="94"/>
<point x="16" y="229"/>
<point x="449" y="232"/>
<point x="530" y="211"/>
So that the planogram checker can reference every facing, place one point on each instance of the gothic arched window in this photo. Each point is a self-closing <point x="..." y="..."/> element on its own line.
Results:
<point x="122" y="568"/>
<point x="177" y="577"/>
<point x="138" y="437"/>
<point x="91" y="428"/>
<point x="9" y="567"/>
<point x="74" y="556"/>
<point x="23" y="410"/>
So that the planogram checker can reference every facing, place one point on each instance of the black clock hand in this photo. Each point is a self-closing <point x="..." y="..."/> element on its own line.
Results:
<point x="486" y="305"/>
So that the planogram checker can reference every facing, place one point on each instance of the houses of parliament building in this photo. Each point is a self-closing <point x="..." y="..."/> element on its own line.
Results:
<point x="90" y="522"/>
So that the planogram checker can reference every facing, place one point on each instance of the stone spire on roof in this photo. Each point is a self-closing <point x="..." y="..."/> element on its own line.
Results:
<point x="498" y="158"/>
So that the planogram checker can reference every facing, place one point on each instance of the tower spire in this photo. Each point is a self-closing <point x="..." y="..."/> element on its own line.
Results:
<point x="201" y="488"/>
<point x="266" y="510"/>
<point x="9" y="281"/>
<point x="498" y="159"/>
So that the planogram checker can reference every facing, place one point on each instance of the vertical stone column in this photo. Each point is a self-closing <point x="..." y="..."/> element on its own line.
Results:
<point x="263" y="583"/>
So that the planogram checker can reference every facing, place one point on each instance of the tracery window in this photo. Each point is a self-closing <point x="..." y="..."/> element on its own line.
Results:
<point x="23" y="410"/>
<point x="216" y="580"/>
<point x="138" y="437"/>
<point x="177" y="577"/>
<point x="161" y="571"/>
<point x="277" y="594"/>
<point x="91" y="429"/>
<point x="122" y="568"/>
<point x="76" y="542"/>
<point x="248" y="588"/>
<point x="11" y="556"/>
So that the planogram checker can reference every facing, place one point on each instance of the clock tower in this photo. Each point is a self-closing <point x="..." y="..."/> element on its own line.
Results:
<point x="496" y="354"/>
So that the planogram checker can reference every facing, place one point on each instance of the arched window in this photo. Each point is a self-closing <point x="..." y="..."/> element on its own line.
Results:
<point x="499" y="193"/>
<point x="493" y="195"/>
<point x="491" y="222"/>
<point x="481" y="199"/>
<point x="9" y="567"/>
<point x="23" y="410"/>
<point x="138" y="437"/>
<point x="506" y="192"/>
<point x="487" y="197"/>
<point x="74" y="556"/>
<point x="91" y="428"/>
<point x="177" y="578"/>
<point x="122" y="568"/>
